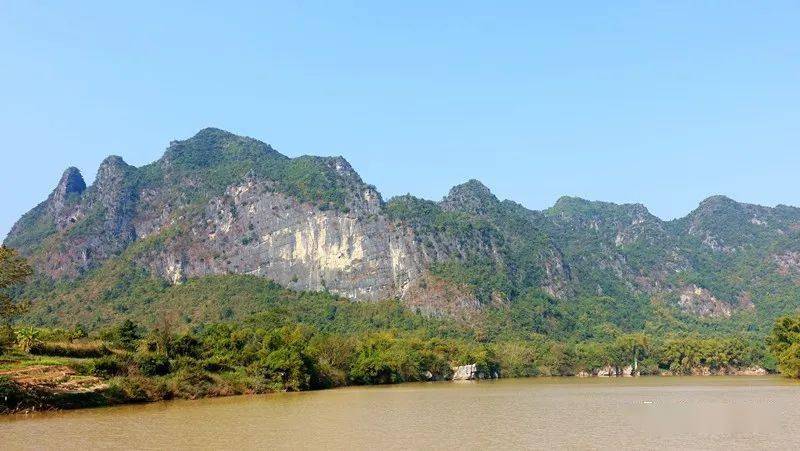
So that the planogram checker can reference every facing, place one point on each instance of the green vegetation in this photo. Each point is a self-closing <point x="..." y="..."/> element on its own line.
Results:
<point x="218" y="159"/>
<point x="269" y="353"/>
<point x="14" y="270"/>
<point x="784" y="343"/>
<point x="36" y="227"/>
<point x="221" y="335"/>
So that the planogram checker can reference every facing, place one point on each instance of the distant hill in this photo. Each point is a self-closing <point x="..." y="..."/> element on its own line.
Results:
<point x="222" y="205"/>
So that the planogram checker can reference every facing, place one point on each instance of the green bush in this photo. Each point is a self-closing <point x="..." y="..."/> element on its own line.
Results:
<point x="153" y="364"/>
<point x="190" y="380"/>
<point x="137" y="389"/>
<point x="126" y="334"/>
<point x="76" y="350"/>
<point x="383" y="359"/>
<point x="784" y="344"/>
<point x="7" y="337"/>
<point x="11" y="394"/>
<point x="110" y="366"/>
<point x="186" y="345"/>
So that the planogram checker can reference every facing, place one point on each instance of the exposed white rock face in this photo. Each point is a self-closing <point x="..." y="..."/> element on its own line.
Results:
<point x="701" y="302"/>
<point x="470" y="372"/>
<point x="465" y="372"/>
<point x="751" y="371"/>
<point x="174" y="272"/>
<point x="611" y="371"/>
<point x="788" y="263"/>
<point x="252" y="230"/>
<point x="607" y="371"/>
<point x="724" y="371"/>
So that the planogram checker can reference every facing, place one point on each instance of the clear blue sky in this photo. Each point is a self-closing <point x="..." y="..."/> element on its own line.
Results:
<point x="662" y="103"/>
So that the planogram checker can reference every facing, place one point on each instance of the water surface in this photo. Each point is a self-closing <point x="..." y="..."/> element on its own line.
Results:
<point x="677" y="412"/>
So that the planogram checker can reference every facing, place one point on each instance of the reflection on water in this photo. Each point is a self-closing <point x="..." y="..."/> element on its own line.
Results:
<point x="691" y="412"/>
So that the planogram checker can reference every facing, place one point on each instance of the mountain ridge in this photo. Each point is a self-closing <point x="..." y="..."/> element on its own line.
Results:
<point x="219" y="203"/>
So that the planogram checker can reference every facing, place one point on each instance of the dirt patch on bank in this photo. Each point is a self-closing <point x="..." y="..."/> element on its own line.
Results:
<point x="54" y="378"/>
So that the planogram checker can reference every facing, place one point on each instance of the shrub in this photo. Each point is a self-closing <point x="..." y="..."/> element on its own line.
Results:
<point x="217" y="364"/>
<point x="10" y="394"/>
<point x="76" y="350"/>
<point x="186" y="345"/>
<point x="110" y="366"/>
<point x="125" y="334"/>
<point x="78" y="332"/>
<point x="190" y="380"/>
<point x="138" y="389"/>
<point x="382" y="359"/>
<point x="153" y="364"/>
<point x="288" y="369"/>
<point x="54" y="334"/>
<point x="7" y="337"/>
<point x="27" y="337"/>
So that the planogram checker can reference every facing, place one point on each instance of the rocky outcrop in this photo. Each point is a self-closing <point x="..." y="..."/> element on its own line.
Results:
<point x="615" y="371"/>
<point x="115" y="194"/>
<point x="471" y="372"/>
<point x="701" y="302"/>
<point x="723" y="371"/>
<point x="68" y="190"/>
<point x="601" y="241"/>
<point x="434" y="296"/>
<point x="788" y="263"/>
<point x="465" y="372"/>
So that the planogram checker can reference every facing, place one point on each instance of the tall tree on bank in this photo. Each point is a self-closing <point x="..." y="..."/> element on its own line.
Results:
<point x="784" y="343"/>
<point x="14" y="269"/>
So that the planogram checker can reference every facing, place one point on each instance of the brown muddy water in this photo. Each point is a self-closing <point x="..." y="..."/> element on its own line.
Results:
<point x="649" y="412"/>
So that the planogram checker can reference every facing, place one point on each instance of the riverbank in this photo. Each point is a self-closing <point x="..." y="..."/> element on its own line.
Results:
<point x="40" y="383"/>
<point x="58" y="369"/>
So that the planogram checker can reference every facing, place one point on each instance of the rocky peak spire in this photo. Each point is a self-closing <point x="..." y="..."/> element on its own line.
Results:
<point x="71" y="185"/>
<point x="111" y="173"/>
<point x="116" y="195"/>
<point x="71" y="181"/>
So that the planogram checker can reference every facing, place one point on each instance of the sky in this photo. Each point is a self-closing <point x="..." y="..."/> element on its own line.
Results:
<point x="660" y="103"/>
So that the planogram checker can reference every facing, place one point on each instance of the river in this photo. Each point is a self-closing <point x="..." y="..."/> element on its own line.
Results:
<point x="665" y="412"/>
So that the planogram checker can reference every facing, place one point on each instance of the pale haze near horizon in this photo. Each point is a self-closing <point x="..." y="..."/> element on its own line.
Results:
<point x="660" y="104"/>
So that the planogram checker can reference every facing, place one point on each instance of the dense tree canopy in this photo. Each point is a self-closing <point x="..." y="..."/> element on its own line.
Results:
<point x="784" y="343"/>
<point x="14" y="270"/>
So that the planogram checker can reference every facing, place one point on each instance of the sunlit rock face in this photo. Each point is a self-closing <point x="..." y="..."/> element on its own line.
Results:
<point x="252" y="230"/>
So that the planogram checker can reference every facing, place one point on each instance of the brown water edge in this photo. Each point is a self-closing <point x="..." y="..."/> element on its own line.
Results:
<point x="742" y="412"/>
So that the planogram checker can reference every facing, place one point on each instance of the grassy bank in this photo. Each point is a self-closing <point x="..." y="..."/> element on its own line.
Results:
<point x="128" y="363"/>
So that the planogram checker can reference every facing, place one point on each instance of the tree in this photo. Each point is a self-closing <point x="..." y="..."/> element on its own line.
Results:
<point x="78" y="332"/>
<point x="27" y="337"/>
<point x="126" y="334"/>
<point x="630" y="349"/>
<point x="784" y="344"/>
<point x="14" y="270"/>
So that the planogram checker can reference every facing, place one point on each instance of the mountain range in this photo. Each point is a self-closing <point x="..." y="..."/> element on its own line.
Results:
<point x="219" y="206"/>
